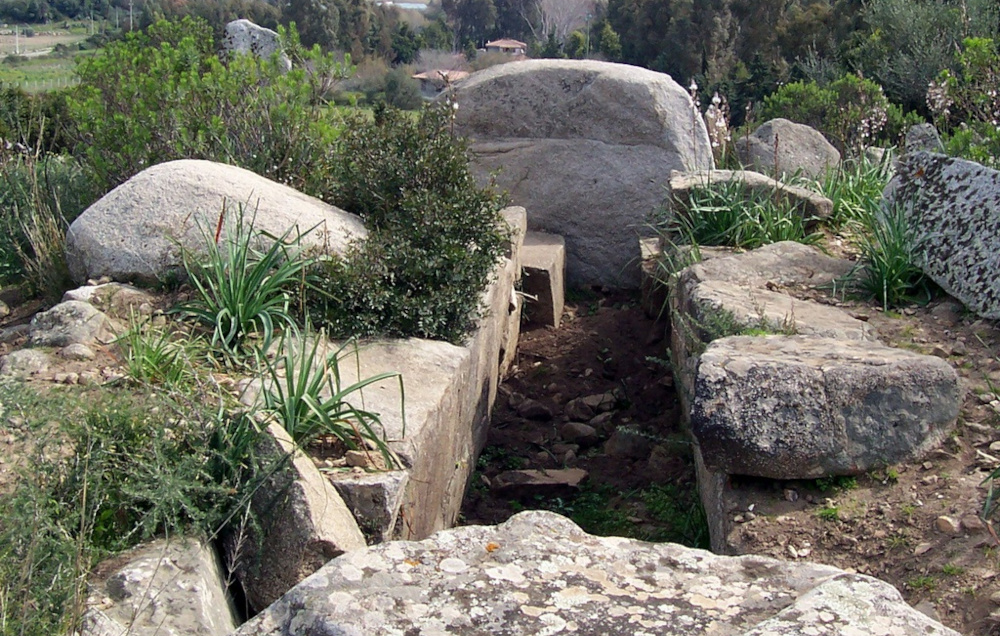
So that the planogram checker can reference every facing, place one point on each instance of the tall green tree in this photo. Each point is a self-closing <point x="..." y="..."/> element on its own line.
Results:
<point x="471" y="20"/>
<point x="318" y="21"/>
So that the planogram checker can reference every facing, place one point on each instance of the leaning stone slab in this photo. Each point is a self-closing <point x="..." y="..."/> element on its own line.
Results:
<point x="814" y="206"/>
<point x="166" y="588"/>
<point x="68" y="323"/>
<point x="544" y="268"/>
<point x="538" y="573"/>
<point x="796" y="407"/>
<point x="136" y="232"/>
<point x="305" y="522"/>
<point x="953" y="207"/>
<point x="587" y="147"/>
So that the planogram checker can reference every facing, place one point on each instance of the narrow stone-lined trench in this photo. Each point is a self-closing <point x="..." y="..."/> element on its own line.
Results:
<point x="594" y="395"/>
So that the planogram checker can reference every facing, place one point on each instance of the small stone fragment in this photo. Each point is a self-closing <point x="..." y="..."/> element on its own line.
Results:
<point x="947" y="525"/>
<point x="532" y="482"/>
<point x="534" y="410"/>
<point x="922" y="548"/>
<point x="972" y="523"/>
<point x="77" y="351"/>
<point x="578" y="410"/>
<point x="357" y="459"/>
<point x="791" y="495"/>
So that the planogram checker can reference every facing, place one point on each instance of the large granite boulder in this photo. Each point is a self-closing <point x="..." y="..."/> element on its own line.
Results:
<point x="136" y="232"/>
<point x="164" y="588"/>
<point x="587" y="147"/>
<point x="245" y="37"/>
<point x="538" y="573"/>
<point x="953" y="208"/>
<point x="784" y="147"/>
<point x="803" y="407"/>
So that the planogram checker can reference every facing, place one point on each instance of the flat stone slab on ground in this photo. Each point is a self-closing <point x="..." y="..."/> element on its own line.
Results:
<point x="797" y="407"/>
<point x="524" y="483"/>
<point x="544" y="267"/>
<point x="538" y="573"/>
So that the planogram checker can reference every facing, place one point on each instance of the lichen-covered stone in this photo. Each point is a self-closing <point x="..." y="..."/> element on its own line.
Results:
<point x="797" y="407"/>
<point x="70" y="322"/>
<point x="539" y="574"/>
<point x="953" y="207"/>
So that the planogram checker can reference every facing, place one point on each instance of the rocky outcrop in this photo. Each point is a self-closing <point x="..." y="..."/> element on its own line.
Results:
<point x="952" y="207"/>
<point x="587" y="147"/>
<point x="783" y="147"/>
<point x="70" y="322"/>
<point x="538" y="573"/>
<point x="165" y="588"/>
<point x="137" y="231"/>
<point x="245" y="37"/>
<point x="799" y="407"/>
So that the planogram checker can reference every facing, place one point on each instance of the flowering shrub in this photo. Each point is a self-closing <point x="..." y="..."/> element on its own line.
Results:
<point x="717" y="123"/>
<point x="966" y="103"/>
<point x="851" y="112"/>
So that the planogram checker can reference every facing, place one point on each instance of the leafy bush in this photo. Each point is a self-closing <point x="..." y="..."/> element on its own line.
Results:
<point x="435" y="237"/>
<point x="851" y="112"/>
<point x="164" y="94"/>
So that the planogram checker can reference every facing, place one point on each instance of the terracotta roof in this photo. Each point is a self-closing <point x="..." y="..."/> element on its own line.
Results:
<point x="506" y="43"/>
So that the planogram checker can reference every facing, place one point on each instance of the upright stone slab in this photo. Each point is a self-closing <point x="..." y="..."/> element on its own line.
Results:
<point x="539" y="573"/>
<point x="953" y="207"/>
<point x="544" y="265"/>
<point x="587" y="147"/>
<point x="245" y="37"/>
<point x="137" y="231"/>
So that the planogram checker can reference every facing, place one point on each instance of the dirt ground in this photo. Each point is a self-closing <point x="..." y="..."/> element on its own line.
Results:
<point x="915" y="525"/>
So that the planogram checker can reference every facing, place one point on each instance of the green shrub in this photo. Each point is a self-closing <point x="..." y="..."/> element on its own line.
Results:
<point x="435" y="237"/>
<point x="851" y="111"/>
<point x="164" y="94"/>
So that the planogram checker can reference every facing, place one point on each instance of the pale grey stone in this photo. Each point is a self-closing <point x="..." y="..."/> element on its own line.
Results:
<point x="800" y="149"/>
<point x="70" y="322"/>
<point x="538" y="573"/>
<point x="304" y="522"/>
<point x="245" y="37"/>
<point x="814" y="206"/>
<point x="116" y="299"/>
<point x="136" y="232"/>
<point x="587" y="147"/>
<point x="24" y="362"/>
<point x="544" y="267"/>
<point x="374" y="499"/>
<point x="166" y="588"/>
<point x="16" y="332"/>
<point x="796" y="407"/>
<point x="923" y="138"/>
<point x="953" y="208"/>
<point x="78" y="352"/>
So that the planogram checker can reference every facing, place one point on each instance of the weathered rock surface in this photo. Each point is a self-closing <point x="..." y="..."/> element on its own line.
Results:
<point x="544" y="266"/>
<point x="538" y="573"/>
<point x="923" y="138"/>
<point x="587" y="147"/>
<point x="953" y="206"/>
<point x="781" y="147"/>
<point x="136" y="231"/>
<point x="70" y="322"/>
<point x="531" y="482"/>
<point x="243" y="36"/>
<point x="374" y="499"/>
<point x="116" y="299"/>
<point x="814" y="206"/>
<point x="164" y="588"/>
<point x="796" y="407"/>
<point x="305" y="522"/>
<point x="24" y="362"/>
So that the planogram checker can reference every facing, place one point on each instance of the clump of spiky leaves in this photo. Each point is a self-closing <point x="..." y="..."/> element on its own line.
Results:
<point x="156" y="355"/>
<point x="244" y="283"/>
<point x="305" y="390"/>
<point x="855" y="187"/>
<point x="735" y="215"/>
<point x="887" y="271"/>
